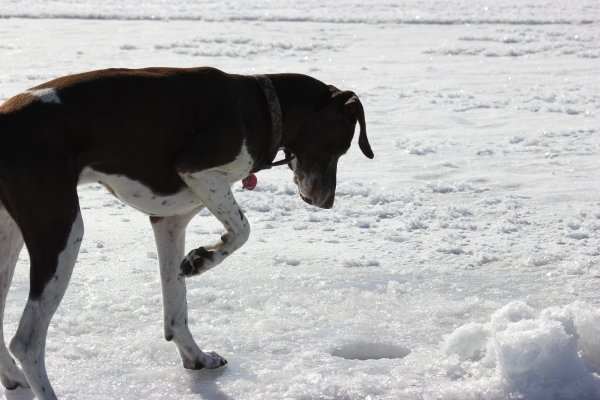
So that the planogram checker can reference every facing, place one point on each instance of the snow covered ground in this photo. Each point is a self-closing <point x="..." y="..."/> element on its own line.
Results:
<point x="462" y="263"/>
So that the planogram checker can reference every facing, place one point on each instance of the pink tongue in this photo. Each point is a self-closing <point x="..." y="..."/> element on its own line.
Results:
<point x="249" y="182"/>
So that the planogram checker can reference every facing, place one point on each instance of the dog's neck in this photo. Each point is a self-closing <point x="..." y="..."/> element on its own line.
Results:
<point x="300" y="97"/>
<point x="274" y="141"/>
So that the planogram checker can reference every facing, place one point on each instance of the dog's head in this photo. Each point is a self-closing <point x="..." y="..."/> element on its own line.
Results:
<point x="326" y="136"/>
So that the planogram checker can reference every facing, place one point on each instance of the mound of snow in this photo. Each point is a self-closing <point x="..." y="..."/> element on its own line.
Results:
<point x="554" y="354"/>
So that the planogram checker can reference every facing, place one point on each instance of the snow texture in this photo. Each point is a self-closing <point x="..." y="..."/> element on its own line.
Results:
<point x="463" y="262"/>
<point x="550" y="355"/>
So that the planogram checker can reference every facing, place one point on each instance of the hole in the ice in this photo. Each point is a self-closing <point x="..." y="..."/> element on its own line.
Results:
<point x="369" y="351"/>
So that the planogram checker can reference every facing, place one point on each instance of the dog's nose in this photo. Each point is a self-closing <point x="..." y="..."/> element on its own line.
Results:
<point x="329" y="203"/>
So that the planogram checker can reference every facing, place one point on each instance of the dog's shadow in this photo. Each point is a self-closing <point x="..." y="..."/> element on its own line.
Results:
<point x="203" y="383"/>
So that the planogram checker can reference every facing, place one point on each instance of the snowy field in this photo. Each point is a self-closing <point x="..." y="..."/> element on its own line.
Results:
<point x="463" y="262"/>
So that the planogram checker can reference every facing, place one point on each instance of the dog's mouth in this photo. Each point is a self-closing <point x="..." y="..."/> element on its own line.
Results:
<point x="325" y="203"/>
<point x="307" y="200"/>
<point x="312" y="194"/>
<point x="302" y="188"/>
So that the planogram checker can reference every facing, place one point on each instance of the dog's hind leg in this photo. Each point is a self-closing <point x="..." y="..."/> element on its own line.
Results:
<point x="11" y="243"/>
<point x="42" y="198"/>
<point x="29" y="343"/>
<point x="169" y="233"/>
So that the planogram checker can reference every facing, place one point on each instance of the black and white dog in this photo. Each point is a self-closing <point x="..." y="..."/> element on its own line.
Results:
<point x="168" y="142"/>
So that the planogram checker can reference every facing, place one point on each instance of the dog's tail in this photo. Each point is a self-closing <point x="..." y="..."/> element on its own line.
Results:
<point x="4" y="157"/>
<point x="2" y="154"/>
<point x="4" y="147"/>
<point x="3" y="162"/>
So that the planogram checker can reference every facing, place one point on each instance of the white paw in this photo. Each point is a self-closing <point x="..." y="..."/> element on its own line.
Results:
<point x="198" y="261"/>
<point x="14" y="379"/>
<point x="207" y="360"/>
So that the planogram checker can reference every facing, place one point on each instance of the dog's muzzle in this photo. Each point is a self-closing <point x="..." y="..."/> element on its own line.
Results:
<point x="316" y="188"/>
<point x="321" y="199"/>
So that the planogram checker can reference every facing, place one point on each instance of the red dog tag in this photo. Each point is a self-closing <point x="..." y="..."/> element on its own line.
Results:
<point x="249" y="182"/>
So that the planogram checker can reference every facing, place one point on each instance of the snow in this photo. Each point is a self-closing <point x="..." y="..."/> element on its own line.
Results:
<point x="551" y="355"/>
<point x="461" y="263"/>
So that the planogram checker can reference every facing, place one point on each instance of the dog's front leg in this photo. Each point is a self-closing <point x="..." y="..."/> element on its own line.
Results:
<point x="214" y="189"/>
<point x="169" y="233"/>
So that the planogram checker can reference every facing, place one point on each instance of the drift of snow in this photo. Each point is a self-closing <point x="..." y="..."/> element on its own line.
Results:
<point x="551" y="355"/>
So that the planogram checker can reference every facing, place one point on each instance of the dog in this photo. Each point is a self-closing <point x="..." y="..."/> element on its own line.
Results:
<point x="168" y="142"/>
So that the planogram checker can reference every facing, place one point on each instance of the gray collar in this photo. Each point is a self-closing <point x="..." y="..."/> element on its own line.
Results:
<point x="276" y="122"/>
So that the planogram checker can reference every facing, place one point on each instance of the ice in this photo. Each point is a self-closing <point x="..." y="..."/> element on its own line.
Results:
<point x="468" y="250"/>
<point x="369" y="351"/>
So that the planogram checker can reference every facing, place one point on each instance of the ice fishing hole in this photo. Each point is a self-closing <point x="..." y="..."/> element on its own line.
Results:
<point x="360" y="350"/>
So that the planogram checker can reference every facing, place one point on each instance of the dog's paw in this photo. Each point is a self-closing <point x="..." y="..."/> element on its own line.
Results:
<point x="11" y="383"/>
<point x="197" y="262"/>
<point x="207" y="360"/>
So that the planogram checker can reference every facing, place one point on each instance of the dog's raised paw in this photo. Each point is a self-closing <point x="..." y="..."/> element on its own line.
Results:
<point x="196" y="262"/>
<point x="11" y="384"/>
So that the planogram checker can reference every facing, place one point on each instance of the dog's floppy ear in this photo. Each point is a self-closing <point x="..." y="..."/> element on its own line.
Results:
<point x="353" y="106"/>
<point x="356" y="106"/>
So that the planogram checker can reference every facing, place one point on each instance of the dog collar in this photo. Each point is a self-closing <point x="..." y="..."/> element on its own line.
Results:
<point x="276" y="122"/>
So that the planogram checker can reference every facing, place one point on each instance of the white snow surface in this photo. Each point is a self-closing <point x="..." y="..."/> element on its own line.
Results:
<point x="463" y="262"/>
